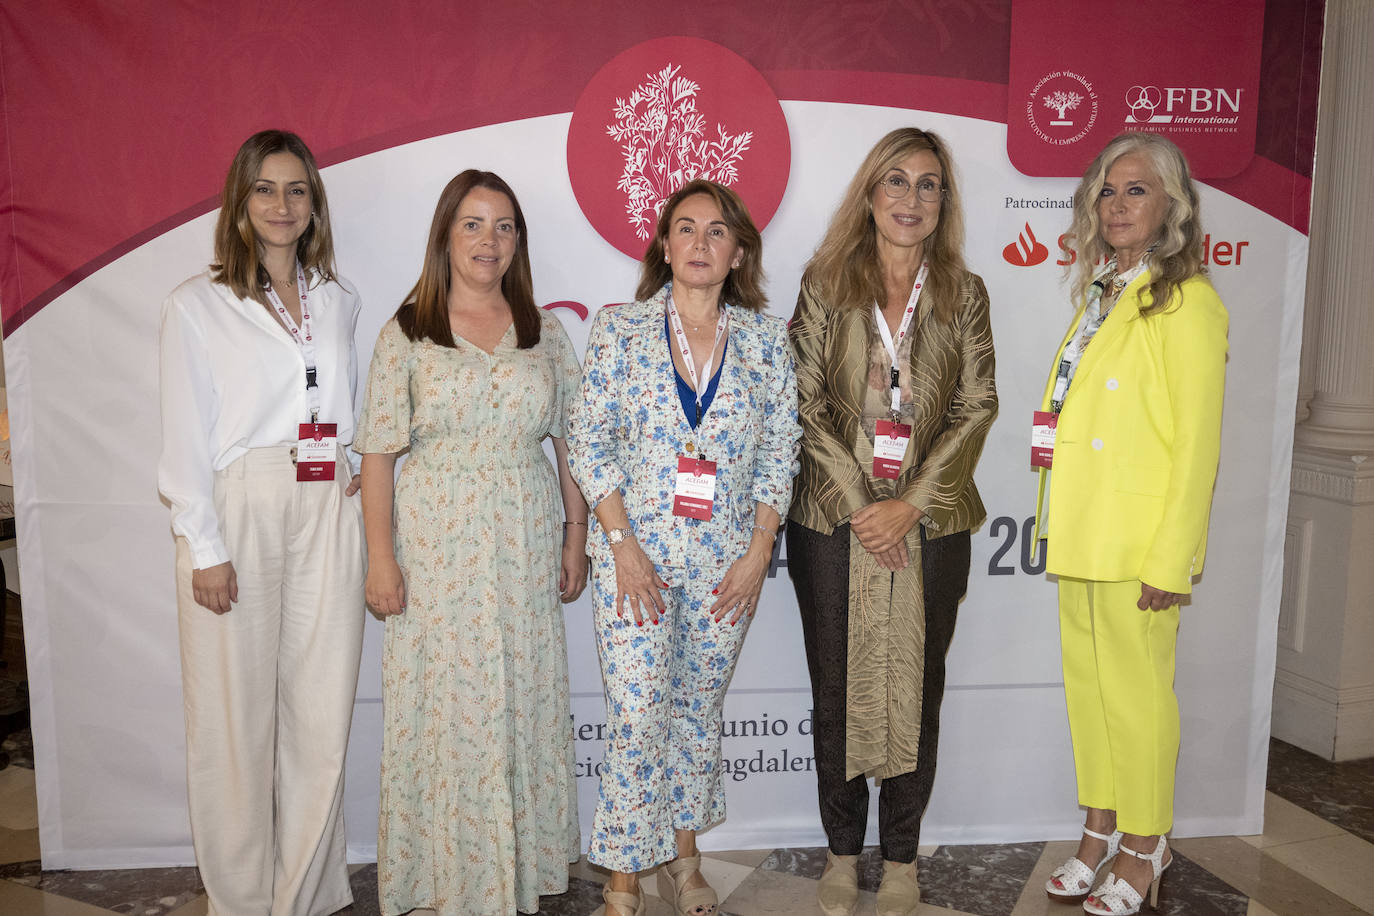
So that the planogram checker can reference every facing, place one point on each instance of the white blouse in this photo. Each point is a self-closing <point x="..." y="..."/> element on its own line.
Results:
<point x="232" y="379"/>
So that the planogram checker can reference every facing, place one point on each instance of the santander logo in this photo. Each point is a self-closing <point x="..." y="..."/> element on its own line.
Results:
<point x="666" y="112"/>
<point x="1026" y="251"/>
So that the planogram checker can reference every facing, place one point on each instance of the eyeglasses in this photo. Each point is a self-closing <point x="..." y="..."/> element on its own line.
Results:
<point x="929" y="190"/>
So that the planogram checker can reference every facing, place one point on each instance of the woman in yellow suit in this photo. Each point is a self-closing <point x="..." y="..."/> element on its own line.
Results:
<point x="1134" y="406"/>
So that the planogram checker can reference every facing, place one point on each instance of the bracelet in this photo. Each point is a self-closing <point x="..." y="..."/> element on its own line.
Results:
<point x="772" y="534"/>
<point x="583" y="524"/>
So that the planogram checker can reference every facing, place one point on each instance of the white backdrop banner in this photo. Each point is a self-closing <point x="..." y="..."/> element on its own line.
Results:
<point x="96" y="548"/>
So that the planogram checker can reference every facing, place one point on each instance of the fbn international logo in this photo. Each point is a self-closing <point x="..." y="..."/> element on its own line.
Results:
<point x="1028" y="251"/>
<point x="1182" y="105"/>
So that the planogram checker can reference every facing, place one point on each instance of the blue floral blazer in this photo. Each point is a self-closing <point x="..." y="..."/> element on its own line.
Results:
<point x="626" y="430"/>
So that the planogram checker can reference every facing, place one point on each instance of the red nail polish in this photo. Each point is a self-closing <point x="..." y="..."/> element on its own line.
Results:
<point x="639" y="623"/>
<point x="715" y="591"/>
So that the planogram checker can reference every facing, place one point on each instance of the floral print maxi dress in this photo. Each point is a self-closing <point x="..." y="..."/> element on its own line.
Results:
<point x="478" y="802"/>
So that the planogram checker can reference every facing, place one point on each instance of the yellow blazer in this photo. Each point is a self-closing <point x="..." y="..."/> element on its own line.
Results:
<point x="952" y="368"/>
<point x="1135" y="456"/>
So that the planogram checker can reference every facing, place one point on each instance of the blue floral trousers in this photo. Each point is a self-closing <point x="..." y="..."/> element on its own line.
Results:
<point x="665" y="686"/>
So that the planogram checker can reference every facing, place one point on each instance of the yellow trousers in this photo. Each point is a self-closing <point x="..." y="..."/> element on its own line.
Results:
<point x="1123" y="715"/>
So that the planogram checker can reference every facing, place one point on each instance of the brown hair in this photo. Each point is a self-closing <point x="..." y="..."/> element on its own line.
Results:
<point x="845" y="270"/>
<point x="1177" y="255"/>
<point x="744" y="284"/>
<point x="237" y="264"/>
<point x="424" y="311"/>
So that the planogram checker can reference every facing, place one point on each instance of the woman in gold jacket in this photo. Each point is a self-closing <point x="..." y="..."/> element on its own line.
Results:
<point x="1134" y="396"/>
<point x="896" y="394"/>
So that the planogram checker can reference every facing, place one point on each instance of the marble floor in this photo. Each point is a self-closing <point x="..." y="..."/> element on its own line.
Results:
<point x="1315" y="857"/>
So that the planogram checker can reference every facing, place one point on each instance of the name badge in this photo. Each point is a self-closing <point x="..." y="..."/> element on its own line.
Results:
<point x="317" y="451"/>
<point x="1043" y="426"/>
<point x="696" y="488"/>
<point x="889" y="447"/>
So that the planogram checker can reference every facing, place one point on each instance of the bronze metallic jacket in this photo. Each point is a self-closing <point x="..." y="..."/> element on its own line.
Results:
<point x="955" y="402"/>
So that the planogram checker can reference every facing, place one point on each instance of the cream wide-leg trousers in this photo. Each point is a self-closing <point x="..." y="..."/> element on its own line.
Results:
<point x="268" y="690"/>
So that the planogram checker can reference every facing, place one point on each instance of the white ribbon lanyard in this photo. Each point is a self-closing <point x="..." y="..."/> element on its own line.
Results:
<point x="304" y="339"/>
<point x="893" y="346"/>
<point x="702" y="382"/>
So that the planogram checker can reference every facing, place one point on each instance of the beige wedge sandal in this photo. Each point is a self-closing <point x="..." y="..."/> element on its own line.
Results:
<point x="672" y="880"/>
<point x="625" y="904"/>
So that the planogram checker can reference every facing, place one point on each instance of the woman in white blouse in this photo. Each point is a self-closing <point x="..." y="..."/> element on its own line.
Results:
<point x="258" y="372"/>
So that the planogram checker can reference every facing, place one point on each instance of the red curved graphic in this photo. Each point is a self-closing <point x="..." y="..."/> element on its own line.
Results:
<point x="82" y="183"/>
<point x="576" y="308"/>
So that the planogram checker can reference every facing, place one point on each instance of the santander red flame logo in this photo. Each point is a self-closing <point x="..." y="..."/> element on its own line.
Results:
<point x="1026" y="251"/>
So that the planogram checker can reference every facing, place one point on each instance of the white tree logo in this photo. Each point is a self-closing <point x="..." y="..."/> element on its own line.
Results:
<point x="662" y="136"/>
<point x="1062" y="102"/>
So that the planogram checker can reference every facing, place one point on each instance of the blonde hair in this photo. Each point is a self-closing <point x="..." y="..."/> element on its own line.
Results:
<point x="845" y="270"/>
<point x="744" y="284"/>
<point x="237" y="264"/>
<point x="1177" y="254"/>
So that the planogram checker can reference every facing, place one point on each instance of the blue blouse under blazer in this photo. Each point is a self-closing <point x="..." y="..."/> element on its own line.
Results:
<point x="627" y="429"/>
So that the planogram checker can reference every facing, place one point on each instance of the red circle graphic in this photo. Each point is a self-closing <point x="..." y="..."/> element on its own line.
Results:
<point x="665" y="112"/>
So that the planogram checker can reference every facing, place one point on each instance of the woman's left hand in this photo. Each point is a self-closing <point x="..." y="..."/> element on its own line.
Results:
<point x="1154" y="599"/>
<point x="739" y="590"/>
<point x="572" y="576"/>
<point x="883" y="525"/>
<point x="354" y="485"/>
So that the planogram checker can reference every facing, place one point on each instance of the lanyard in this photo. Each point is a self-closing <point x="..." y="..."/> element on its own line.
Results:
<point x="304" y="339"/>
<point x="701" y="383"/>
<point x="1093" y="318"/>
<point x="893" y="346"/>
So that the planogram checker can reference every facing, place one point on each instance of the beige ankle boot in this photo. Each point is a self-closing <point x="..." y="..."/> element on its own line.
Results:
<point x="899" y="894"/>
<point x="839" y="886"/>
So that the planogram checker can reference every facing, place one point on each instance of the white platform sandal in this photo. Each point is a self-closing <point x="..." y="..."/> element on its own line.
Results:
<point x="1117" y="898"/>
<point x="1073" y="881"/>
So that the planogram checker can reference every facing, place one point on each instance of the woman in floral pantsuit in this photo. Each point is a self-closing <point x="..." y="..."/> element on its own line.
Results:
<point x="690" y="375"/>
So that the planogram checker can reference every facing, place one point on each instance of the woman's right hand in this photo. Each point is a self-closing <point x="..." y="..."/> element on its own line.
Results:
<point x="637" y="581"/>
<point x="386" y="588"/>
<point x="1156" y="599"/>
<point x="215" y="587"/>
<point x="894" y="558"/>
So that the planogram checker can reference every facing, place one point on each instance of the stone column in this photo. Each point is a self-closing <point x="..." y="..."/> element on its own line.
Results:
<point x="1324" y="686"/>
<point x="1342" y="237"/>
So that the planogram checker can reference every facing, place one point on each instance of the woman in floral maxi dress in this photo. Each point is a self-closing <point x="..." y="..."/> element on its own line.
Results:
<point x="478" y="802"/>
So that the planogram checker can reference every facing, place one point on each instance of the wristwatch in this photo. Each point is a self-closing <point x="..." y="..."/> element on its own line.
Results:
<point x="616" y="535"/>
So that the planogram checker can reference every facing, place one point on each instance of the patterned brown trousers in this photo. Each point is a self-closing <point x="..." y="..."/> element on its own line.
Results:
<point x="819" y="567"/>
